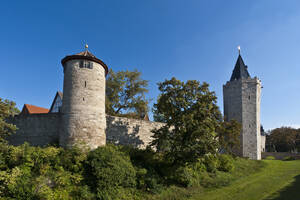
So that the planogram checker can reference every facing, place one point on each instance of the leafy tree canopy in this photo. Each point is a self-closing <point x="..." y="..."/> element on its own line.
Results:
<point x="192" y="118"/>
<point x="284" y="139"/>
<point x="7" y="109"/>
<point x="229" y="137"/>
<point x="125" y="94"/>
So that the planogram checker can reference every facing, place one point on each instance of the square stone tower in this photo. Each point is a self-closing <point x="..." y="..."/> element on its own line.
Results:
<point x="242" y="103"/>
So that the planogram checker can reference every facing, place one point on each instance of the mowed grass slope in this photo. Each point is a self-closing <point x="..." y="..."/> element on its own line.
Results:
<point x="276" y="180"/>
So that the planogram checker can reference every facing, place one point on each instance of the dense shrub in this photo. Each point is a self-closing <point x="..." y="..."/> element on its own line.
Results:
<point x="211" y="162"/>
<point x="225" y="163"/>
<point x="288" y="158"/>
<point x="186" y="176"/>
<point x="41" y="173"/>
<point x="270" y="158"/>
<point x="150" y="168"/>
<point x="110" y="172"/>
<point x="205" y="172"/>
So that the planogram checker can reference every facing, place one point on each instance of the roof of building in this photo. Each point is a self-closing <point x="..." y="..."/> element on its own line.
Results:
<point x="87" y="56"/>
<point x="240" y="70"/>
<point x="31" y="109"/>
<point x="58" y="94"/>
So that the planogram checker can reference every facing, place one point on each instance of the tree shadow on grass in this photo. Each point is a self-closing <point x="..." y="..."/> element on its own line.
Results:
<point x="290" y="192"/>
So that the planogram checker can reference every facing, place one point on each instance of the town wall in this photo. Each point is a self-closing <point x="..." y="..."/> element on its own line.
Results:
<point x="36" y="129"/>
<point x="43" y="129"/>
<point x="125" y="131"/>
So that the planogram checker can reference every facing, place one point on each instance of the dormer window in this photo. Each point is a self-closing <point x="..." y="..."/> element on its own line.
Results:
<point x="86" y="64"/>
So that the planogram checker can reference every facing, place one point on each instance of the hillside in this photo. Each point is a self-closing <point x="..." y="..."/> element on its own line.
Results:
<point x="277" y="180"/>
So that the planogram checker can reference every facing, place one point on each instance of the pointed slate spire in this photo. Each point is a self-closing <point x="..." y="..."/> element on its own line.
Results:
<point x="240" y="70"/>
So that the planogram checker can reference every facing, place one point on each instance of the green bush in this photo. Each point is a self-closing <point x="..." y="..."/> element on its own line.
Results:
<point x="109" y="172"/>
<point x="211" y="162"/>
<point x="150" y="168"/>
<point x="288" y="158"/>
<point x="225" y="163"/>
<point x="29" y="172"/>
<point x="270" y="158"/>
<point x="189" y="175"/>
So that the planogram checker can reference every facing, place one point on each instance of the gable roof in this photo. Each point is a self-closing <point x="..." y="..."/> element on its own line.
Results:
<point x="31" y="109"/>
<point x="58" y="94"/>
<point x="240" y="70"/>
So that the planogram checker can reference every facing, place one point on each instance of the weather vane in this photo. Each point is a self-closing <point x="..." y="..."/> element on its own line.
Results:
<point x="239" y="48"/>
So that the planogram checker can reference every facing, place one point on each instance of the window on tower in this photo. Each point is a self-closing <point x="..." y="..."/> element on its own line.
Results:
<point x="86" y="64"/>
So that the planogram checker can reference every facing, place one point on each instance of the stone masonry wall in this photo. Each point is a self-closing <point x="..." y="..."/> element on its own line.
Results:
<point x="42" y="129"/>
<point x="125" y="131"/>
<point x="232" y="97"/>
<point x="242" y="103"/>
<point x="83" y="108"/>
<point x="251" y="118"/>
<point x="36" y="129"/>
<point x="263" y="143"/>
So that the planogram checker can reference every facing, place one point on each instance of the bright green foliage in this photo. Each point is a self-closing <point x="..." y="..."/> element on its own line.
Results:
<point x="41" y="173"/>
<point x="207" y="172"/>
<point x="226" y="163"/>
<point x="211" y="162"/>
<point x="110" y="172"/>
<point x="189" y="175"/>
<point x="229" y="137"/>
<point x="270" y="158"/>
<point x="192" y="119"/>
<point x="284" y="139"/>
<point x="7" y="109"/>
<point x="125" y="94"/>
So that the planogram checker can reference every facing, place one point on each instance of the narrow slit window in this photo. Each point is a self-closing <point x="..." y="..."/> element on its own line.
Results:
<point x="249" y="97"/>
<point x="84" y="83"/>
<point x="81" y="64"/>
<point x="83" y="98"/>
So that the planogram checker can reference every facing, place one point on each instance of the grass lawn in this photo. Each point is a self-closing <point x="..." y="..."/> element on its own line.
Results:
<point x="277" y="180"/>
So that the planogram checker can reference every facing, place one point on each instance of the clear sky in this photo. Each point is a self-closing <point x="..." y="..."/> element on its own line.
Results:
<point x="187" y="39"/>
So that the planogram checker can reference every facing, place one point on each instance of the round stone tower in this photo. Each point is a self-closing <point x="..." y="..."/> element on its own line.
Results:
<point x="83" y="107"/>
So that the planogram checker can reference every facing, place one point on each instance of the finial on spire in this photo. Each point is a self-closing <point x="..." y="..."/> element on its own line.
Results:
<point x="86" y="46"/>
<point x="239" y="49"/>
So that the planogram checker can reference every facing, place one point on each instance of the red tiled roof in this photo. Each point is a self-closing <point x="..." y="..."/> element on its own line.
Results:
<point x="31" y="109"/>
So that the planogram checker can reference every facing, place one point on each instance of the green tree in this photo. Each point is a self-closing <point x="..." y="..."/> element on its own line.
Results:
<point x="110" y="173"/>
<point x="283" y="139"/>
<point x="125" y="94"/>
<point x="229" y="137"/>
<point x="7" y="109"/>
<point x="192" y="119"/>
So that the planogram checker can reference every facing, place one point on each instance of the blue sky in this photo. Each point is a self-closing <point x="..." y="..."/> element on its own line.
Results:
<point x="189" y="39"/>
